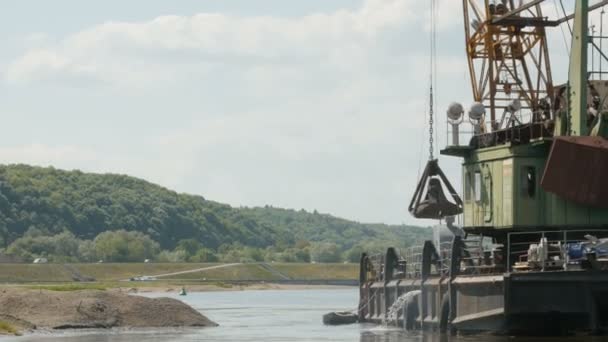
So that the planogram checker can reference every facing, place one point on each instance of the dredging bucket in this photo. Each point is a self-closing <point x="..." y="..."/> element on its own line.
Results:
<point x="429" y="200"/>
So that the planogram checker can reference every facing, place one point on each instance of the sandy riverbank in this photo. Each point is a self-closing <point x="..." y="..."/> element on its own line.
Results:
<point x="26" y="310"/>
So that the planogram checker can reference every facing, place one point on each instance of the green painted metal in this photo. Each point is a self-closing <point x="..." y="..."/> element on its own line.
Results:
<point x="502" y="183"/>
<point x="502" y="191"/>
<point x="577" y="74"/>
<point x="601" y="127"/>
<point x="493" y="186"/>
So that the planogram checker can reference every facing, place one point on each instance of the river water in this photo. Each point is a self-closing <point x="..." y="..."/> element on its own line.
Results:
<point x="273" y="316"/>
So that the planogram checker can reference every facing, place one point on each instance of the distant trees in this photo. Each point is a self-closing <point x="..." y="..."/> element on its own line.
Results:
<point x="189" y="246"/>
<point x="121" y="246"/>
<point x="290" y="255"/>
<point x="71" y="215"/>
<point x="117" y="246"/>
<point x="204" y="255"/>
<point x="236" y="252"/>
<point x="86" y="251"/>
<point x="130" y="246"/>
<point x="189" y="250"/>
<point x="325" y="252"/>
<point x="172" y="256"/>
<point x="60" y="247"/>
<point x="354" y="254"/>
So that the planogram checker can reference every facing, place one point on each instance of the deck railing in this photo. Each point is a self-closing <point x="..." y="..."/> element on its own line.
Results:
<point x="518" y="244"/>
<point x="413" y="262"/>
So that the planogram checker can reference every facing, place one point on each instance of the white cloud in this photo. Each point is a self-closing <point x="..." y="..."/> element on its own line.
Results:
<point x="321" y="111"/>
<point x="45" y="155"/>
<point x="113" y="51"/>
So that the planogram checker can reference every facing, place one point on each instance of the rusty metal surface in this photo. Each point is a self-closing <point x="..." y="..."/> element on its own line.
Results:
<point x="577" y="170"/>
<point x="518" y="135"/>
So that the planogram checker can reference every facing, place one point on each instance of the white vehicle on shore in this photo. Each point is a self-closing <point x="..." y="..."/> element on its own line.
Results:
<point x="143" y="278"/>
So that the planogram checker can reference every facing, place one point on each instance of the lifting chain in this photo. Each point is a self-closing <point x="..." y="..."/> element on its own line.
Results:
<point x="431" y="121"/>
<point x="433" y="53"/>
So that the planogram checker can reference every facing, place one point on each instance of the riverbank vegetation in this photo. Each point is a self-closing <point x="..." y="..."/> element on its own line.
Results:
<point x="71" y="216"/>
<point x="60" y="276"/>
<point x="8" y="329"/>
<point x="69" y="287"/>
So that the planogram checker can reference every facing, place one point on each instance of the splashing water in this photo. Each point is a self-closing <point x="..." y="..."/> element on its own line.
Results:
<point x="399" y="304"/>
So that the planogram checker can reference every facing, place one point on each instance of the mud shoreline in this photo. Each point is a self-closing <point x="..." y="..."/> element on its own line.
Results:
<point x="27" y="310"/>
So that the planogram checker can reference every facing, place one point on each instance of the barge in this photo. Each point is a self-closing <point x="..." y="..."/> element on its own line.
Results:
<point x="525" y="250"/>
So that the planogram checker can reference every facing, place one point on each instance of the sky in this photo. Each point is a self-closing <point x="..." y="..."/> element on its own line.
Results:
<point x="316" y="104"/>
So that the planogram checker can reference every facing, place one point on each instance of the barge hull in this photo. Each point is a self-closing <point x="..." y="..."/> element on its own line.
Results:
<point x="574" y="300"/>
<point x="532" y="302"/>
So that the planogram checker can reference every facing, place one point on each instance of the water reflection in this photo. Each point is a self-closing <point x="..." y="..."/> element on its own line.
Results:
<point x="379" y="335"/>
<point x="367" y="335"/>
<point x="273" y="316"/>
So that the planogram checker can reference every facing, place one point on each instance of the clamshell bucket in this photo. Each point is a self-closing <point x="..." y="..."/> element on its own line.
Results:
<point x="577" y="170"/>
<point x="434" y="204"/>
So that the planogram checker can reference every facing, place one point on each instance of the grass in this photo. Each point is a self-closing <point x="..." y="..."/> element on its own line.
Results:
<point x="234" y="273"/>
<point x="69" y="287"/>
<point x="295" y="271"/>
<point x="121" y="271"/>
<point x="17" y="273"/>
<point x="7" y="328"/>
<point x="112" y="273"/>
<point x="318" y="271"/>
<point x="24" y="273"/>
<point x="223" y="285"/>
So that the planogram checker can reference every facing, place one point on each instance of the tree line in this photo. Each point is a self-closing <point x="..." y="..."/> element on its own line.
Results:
<point x="125" y="246"/>
<point x="76" y="216"/>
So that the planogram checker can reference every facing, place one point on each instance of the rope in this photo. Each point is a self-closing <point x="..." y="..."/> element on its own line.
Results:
<point x="431" y="149"/>
<point x="361" y="307"/>
<point x="421" y="151"/>
<point x="561" y="27"/>
<point x="561" y="2"/>
<point x="435" y="16"/>
<point x="369" y="300"/>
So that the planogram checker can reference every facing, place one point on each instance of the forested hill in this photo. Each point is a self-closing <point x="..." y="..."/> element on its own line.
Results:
<point x="51" y="201"/>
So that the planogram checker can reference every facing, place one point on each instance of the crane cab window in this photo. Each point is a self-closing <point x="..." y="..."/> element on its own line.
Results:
<point x="468" y="186"/>
<point x="477" y="186"/>
<point x="528" y="181"/>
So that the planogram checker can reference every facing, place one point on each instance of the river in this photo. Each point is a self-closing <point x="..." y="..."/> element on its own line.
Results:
<point x="272" y="316"/>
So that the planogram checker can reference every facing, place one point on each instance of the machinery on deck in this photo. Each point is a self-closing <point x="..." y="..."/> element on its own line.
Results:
<point x="532" y="252"/>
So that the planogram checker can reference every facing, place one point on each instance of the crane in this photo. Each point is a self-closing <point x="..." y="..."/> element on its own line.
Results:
<point x="508" y="57"/>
